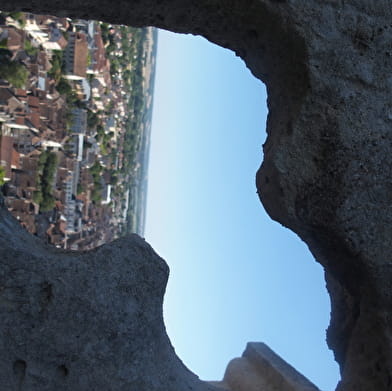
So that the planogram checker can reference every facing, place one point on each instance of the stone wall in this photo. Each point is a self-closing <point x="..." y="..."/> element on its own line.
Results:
<point x="84" y="321"/>
<point x="326" y="172"/>
<point x="260" y="369"/>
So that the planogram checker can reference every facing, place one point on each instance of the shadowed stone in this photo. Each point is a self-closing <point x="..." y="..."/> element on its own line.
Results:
<point x="326" y="172"/>
<point x="84" y="321"/>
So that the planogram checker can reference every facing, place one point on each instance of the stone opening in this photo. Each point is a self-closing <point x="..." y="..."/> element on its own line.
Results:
<point x="328" y="142"/>
<point x="47" y="288"/>
<point x="230" y="316"/>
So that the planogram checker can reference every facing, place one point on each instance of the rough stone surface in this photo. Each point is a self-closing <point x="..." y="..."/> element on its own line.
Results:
<point x="84" y="321"/>
<point x="260" y="369"/>
<point x="326" y="172"/>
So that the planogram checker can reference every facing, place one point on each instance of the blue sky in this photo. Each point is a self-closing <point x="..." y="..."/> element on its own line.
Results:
<point x="235" y="275"/>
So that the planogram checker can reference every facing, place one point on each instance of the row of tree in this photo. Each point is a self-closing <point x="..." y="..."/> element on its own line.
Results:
<point x="47" y="166"/>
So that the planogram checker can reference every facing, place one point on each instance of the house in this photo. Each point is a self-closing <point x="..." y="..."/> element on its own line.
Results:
<point x="33" y="114"/>
<point x="23" y="211"/>
<point x="106" y="194"/>
<point x="48" y="144"/>
<point x="82" y="89"/>
<point x="5" y="95"/>
<point x="56" y="39"/>
<point x="24" y="176"/>
<point x="98" y="52"/>
<point x="43" y="61"/>
<point x="79" y="121"/>
<point x="75" y="146"/>
<point x="21" y="94"/>
<point x="55" y="234"/>
<point x="22" y="135"/>
<point x="110" y="125"/>
<point x="9" y="157"/>
<point x="37" y="35"/>
<point x="75" y="55"/>
<point x="15" y="39"/>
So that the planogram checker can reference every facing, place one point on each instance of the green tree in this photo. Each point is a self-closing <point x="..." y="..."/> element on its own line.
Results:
<point x="80" y="188"/>
<point x="105" y="32"/>
<point x="127" y="74"/>
<point x="113" y="178"/>
<point x="37" y="197"/>
<point x="30" y="49"/>
<point x="47" y="165"/>
<point x="89" y="59"/>
<point x="2" y="175"/>
<point x="15" y="14"/>
<point x="96" y="172"/>
<point x="47" y="203"/>
<point x="19" y="17"/>
<point x="63" y="87"/>
<point x="96" y="193"/>
<point x="55" y="72"/>
<point x="15" y="73"/>
<point x="92" y="119"/>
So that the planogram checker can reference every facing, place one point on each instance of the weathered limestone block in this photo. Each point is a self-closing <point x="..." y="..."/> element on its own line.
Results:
<point x="326" y="172"/>
<point x="84" y="321"/>
<point x="260" y="368"/>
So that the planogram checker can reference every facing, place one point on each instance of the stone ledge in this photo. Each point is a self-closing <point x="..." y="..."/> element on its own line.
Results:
<point x="261" y="369"/>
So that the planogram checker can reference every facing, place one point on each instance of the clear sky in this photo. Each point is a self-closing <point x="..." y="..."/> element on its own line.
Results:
<point x="235" y="275"/>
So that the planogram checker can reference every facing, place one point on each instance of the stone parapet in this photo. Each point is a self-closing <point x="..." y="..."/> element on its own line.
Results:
<point x="261" y="369"/>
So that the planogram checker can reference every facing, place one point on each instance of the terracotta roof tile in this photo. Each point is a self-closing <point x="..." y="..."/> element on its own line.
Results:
<point x="33" y="102"/>
<point x="80" y="55"/>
